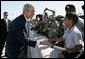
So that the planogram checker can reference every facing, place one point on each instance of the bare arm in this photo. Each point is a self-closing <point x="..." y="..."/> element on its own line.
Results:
<point x="59" y="40"/>
<point x="51" y="11"/>
<point x="76" y="48"/>
<point x="46" y="42"/>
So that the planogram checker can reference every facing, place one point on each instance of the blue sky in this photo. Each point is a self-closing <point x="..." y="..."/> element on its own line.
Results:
<point x="15" y="8"/>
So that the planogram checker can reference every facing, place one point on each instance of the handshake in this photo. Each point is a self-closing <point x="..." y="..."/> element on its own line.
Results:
<point x="46" y="42"/>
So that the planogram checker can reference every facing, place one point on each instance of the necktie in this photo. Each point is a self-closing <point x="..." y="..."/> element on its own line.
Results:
<point x="7" y="24"/>
<point x="27" y="28"/>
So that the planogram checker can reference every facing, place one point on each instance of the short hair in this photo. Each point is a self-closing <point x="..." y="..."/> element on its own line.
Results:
<point x="60" y="17"/>
<point x="73" y="17"/>
<point x="70" y="8"/>
<point x="26" y="7"/>
<point x="5" y="13"/>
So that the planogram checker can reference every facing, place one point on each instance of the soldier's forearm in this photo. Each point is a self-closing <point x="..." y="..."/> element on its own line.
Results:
<point x="52" y="11"/>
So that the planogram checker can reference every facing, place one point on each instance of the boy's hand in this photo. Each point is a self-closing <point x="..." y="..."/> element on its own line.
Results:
<point x="67" y="50"/>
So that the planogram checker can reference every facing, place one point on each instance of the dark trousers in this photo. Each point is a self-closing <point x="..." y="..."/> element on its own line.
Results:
<point x="71" y="54"/>
<point x="2" y="44"/>
<point x="3" y="40"/>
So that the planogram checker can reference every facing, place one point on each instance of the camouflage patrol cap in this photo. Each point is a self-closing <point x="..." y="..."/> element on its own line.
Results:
<point x="51" y="16"/>
<point x="70" y="8"/>
<point x="60" y="17"/>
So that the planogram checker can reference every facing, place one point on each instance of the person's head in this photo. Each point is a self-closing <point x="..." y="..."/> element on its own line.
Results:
<point x="28" y="10"/>
<point x="60" y="19"/>
<point x="83" y="7"/>
<point x="46" y="19"/>
<point x="52" y="18"/>
<point x="45" y="15"/>
<point x="70" y="8"/>
<point x="70" y="19"/>
<point x="40" y="16"/>
<point x="5" y="15"/>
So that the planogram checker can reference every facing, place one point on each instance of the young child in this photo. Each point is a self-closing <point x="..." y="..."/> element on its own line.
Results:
<point x="72" y="37"/>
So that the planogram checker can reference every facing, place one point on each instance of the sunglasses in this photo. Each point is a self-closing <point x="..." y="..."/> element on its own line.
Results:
<point x="5" y="15"/>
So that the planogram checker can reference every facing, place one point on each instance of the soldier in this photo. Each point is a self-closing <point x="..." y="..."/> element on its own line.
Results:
<point x="41" y="24"/>
<point x="46" y="25"/>
<point x="38" y="23"/>
<point x="60" y="30"/>
<point x="52" y="27"/>
<point x="52" y="24"/>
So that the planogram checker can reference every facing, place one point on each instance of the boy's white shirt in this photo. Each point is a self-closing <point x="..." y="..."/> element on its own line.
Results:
<point x="72" y="37"/>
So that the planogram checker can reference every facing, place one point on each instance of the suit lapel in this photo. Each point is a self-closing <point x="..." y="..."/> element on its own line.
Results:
<point x="23" y="20"/>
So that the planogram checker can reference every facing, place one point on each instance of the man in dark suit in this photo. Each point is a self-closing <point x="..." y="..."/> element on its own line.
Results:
<point x="18" y="36"/>
<point x="5" y="22"/>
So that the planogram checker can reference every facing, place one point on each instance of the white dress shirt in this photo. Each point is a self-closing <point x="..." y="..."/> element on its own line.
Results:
<point x="6" y="20"/>
<point x="38" y="42"/>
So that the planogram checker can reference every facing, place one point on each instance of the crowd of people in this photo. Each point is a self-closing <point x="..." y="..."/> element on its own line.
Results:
<point x="52" y="26"/>
<point x="68" y="31"/>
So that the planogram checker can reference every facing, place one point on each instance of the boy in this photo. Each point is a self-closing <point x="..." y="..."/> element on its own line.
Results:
<point x="72" y="37"/>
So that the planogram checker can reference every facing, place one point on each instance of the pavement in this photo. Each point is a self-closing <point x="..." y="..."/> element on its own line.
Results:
<point x="3" y="55"/>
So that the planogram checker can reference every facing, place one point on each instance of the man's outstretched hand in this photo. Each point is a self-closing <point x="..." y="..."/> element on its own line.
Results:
<point x="45" y="42"/>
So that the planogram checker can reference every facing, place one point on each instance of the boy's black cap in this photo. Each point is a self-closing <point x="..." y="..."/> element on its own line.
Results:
<point x="70" y="8"/>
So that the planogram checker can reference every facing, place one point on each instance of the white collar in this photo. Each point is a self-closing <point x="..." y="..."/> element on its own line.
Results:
<point x="26" y="18"/>
<point x="6" y="20"/>
<point x="71" y="28"/>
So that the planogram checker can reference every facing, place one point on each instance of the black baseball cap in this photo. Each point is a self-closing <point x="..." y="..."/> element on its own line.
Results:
<point x="70" y="8"/>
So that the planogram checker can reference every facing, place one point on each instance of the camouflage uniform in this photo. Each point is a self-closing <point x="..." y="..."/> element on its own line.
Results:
<point x="52" y="25"/>
<point x="60" y="31"/>
<point x="41" y="27"/>
<point x="80" y="25"/>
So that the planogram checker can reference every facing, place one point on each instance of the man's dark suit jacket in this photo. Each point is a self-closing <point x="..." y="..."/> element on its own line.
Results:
<point x="16" y="41"/>
<point x="4" y="32"/>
